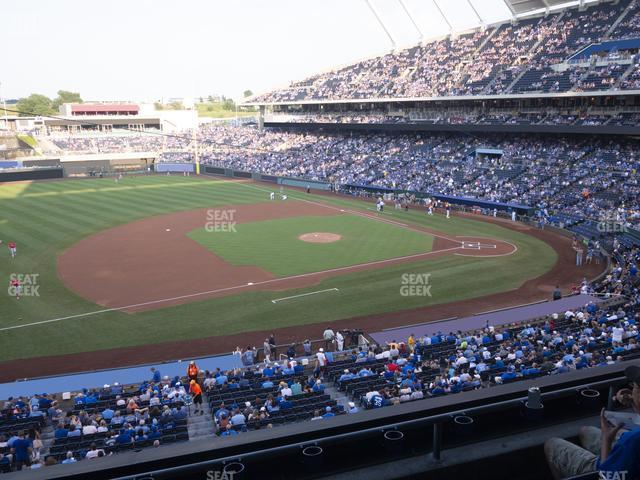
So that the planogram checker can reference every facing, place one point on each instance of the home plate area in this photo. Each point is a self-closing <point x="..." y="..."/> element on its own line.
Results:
<point x="477" y="246"/>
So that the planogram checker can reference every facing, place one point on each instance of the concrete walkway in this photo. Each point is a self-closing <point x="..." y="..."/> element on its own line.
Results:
<point x="126" y="375"/>
<point x="480" y="320"/>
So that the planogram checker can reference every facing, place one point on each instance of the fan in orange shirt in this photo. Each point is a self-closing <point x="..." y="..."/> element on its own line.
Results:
<point x="196" y="391"/>
<point x="192" y="371"/>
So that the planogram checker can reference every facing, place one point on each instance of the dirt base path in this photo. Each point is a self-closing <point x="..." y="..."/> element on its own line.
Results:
<point x="151" y="263"/>
<point x="564" y="273"/>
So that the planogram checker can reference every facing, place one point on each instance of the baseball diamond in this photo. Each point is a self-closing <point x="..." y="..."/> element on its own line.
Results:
<point x="420" y="261"/>
<point x="147" y="267"/>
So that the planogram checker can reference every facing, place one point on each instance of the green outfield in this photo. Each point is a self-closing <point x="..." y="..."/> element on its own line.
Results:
<point x="273" y="245"/>
<point x="45" y="218"/>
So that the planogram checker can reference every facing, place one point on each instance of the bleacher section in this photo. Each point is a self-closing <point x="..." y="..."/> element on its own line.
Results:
<point x="529" y="56"/>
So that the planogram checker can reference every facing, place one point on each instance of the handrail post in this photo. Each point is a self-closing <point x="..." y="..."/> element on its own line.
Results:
<point x="437" y="442"/>
<point x="610" y="398"/>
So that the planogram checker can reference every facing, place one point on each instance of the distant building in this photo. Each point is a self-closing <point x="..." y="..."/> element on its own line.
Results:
<point x="110" y="117"/>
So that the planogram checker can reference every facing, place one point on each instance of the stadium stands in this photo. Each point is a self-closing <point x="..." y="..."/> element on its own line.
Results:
<point x="115" y="419"/>
<point x="589" y="179"/>
<point x="529" y="56"/>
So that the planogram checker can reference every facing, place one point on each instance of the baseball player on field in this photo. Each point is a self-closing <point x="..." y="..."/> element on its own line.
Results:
<point x="12" y="249"/>
<point x="17" y="288"/>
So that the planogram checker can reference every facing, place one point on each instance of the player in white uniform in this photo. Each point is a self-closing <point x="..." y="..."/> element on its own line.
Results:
<point x="284" y="197"/>
<point x="272" y="196"/>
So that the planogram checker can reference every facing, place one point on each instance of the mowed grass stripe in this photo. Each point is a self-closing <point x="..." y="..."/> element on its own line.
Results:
<point x="196" y="198"/>
<point x="361" y="293"/>
<point x="274" y="245"/>
<point x="31" y="229"/>
<point x="107" y="189"/>
<point x="61" y="219"/>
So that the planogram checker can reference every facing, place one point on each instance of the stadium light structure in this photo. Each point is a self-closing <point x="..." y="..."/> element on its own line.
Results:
<point x="511" y="9"/>
<point x="196" y="156"/>
<point x="4" y="106"/>
<point x="375" y="14"/>
<point x="476" y="12"/>
<point x="406" y="10"/>
<point x="443" y="16"/>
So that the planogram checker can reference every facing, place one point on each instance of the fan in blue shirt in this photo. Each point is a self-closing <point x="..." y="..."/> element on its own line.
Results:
<point x="625" y="454"/>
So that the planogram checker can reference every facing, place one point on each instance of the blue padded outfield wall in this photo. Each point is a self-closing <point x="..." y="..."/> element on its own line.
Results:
<point x="174" y="167"/>
<point x="292" y="182"/>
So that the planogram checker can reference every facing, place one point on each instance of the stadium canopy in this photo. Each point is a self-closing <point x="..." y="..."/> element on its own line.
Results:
<point x="525" y="7"/>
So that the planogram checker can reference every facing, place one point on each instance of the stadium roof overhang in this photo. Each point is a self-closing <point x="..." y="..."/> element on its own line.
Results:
<point x="601" y="93"/>
<point x="520" y="8"/>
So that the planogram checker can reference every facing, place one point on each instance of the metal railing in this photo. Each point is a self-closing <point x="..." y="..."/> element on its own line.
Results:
<point x="437" y="422"/>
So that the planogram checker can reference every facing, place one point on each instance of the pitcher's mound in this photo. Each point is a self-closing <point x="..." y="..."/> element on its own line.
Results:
<point x="320" y="237"/>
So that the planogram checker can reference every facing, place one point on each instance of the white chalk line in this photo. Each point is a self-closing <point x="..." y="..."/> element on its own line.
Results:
<point x="236" y="287"/>
<point x="365" y="215"/>
<point x="304" y="295"/>
<point x="515" y="247"/>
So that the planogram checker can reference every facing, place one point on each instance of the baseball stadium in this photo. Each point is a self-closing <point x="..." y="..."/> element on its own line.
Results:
<point x="419" y="264"/>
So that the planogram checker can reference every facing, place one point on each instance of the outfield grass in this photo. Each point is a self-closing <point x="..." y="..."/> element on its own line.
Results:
<point x="273" y="245"/>
<point x="45" y="218"/>
<point x="217" y="110"/>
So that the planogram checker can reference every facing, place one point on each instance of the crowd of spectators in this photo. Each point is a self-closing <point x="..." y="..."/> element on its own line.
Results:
<point x="129" y="142"/>
<point x="266" y="393"/>
<point x="585" y="177"/>
<point x="508" y="58"/>
<point x="469" y="116"/>
<point x="449" y="363"/>
<point x="94" y="423"/>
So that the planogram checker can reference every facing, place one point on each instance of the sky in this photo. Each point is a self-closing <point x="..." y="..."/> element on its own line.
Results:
<point x="148" y="50"/>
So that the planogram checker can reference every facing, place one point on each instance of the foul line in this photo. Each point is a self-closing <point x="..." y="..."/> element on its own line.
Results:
<point x="365" y="215"/>
<point x="226" y="289"/>
<point x="515" y="248"/>
<point x="275" y="280"/>
<point x="304" y="295"/>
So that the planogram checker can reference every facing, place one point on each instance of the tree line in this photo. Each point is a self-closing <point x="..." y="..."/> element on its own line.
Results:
<point x="37" y="104"/>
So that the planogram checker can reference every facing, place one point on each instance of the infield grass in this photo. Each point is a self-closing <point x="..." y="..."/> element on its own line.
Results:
<point x="273" y="245"/>
<point x="45" y="218"/>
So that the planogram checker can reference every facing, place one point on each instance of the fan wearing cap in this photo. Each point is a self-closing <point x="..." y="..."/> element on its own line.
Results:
<point x="328" y="413"/>
<point x="321" y="360"/>
<point x="192" y="371"/>
<point x="196" y="391"/>
<point x="600" y="450"/>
